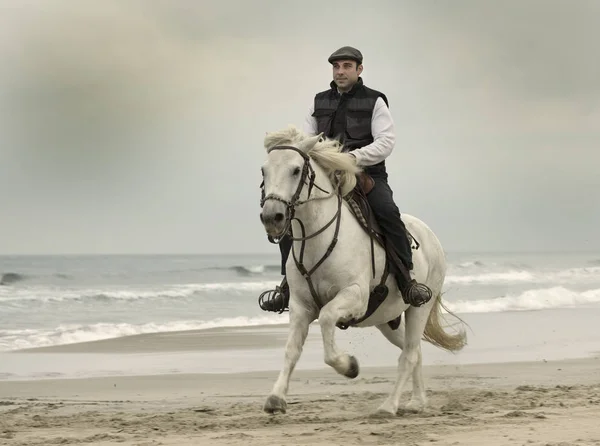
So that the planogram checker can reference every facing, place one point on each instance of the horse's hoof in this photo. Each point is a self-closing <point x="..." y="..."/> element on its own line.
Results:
<point x="275" y="404"/>
<point x="415" y="406"/>
<point x="383" y="412"/>
<point x="353" y="368"/>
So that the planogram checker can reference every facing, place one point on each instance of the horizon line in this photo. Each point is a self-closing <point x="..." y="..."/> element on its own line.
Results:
<point x="174" y="253"/>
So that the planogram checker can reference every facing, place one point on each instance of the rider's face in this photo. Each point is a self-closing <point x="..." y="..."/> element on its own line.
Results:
<point x="346" y="73"/>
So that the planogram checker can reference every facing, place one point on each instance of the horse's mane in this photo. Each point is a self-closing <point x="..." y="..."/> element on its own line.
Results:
<point x="327" y="153"/>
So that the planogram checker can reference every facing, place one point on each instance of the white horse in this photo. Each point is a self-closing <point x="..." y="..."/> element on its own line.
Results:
<point x="306" y="178"/>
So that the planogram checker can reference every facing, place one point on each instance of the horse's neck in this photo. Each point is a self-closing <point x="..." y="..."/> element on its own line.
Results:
<point x="315" y="214"/>
<point x="318" y="211"/>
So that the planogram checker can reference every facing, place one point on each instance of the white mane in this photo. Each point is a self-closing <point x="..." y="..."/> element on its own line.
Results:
<point x="326" y="153"/>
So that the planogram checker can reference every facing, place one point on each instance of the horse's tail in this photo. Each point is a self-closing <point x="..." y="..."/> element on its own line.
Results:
<point x="436" y="334"/>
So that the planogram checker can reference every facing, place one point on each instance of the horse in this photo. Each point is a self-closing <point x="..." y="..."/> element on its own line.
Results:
<point x="306" y="180"/>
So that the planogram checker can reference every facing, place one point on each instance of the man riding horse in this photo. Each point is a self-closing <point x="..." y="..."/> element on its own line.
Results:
<point x="359" y="117"/>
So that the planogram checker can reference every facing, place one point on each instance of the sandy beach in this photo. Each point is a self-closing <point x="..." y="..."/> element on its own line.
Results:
<point x="541" y="402"/>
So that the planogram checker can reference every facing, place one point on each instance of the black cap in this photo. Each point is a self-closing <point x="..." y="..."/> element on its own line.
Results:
<point x="346" y="52"/>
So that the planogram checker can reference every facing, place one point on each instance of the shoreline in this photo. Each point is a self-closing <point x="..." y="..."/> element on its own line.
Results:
<point x="570" y="317"/>
<point x="546" y="335"/>
<point x="180" y="340"/>
<point x="504" y="374"/>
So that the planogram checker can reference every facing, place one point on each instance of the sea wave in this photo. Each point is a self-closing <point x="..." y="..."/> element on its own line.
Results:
<point x="14" y="278"/>
<point x="475" y="272"/>
<point x="10" y="278"/>
<point x="74" y="333"/>
<point x="20" y="295"/>
<point x="570" y="275"/>
<point x="240" y="270"/>
<point x="535" y="299"/>
<point x="255" y="269"/>
<point x="57" y="294"/>
<point x="491" y="278"/>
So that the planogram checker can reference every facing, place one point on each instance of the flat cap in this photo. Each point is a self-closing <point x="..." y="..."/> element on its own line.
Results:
<point x="346" y="52"/>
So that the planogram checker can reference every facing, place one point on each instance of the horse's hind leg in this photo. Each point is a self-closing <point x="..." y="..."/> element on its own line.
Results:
<point x="300" y="319"/>
<point x="419" y="397"/>
<point x="396" y="337"/>
<point x="410" y="361"/>
<point x="345" y="306"/>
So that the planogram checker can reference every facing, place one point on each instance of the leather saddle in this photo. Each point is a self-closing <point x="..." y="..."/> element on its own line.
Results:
<point x="365" y="182"/>
<point x="359" y="205"/>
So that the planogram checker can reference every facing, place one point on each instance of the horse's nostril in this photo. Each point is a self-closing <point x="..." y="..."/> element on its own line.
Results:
<point x="279" y="217"/>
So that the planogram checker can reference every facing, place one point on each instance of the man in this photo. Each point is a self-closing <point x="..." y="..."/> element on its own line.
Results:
<point x="360" y="118"/>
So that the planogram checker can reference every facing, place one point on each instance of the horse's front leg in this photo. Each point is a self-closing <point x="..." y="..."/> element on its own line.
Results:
<point x="300" y="319"/>
<point x="349" y="303"/>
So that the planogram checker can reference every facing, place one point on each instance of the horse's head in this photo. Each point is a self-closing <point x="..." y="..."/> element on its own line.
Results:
<point x="297" y="166"/>
<point x="285" y="173"/>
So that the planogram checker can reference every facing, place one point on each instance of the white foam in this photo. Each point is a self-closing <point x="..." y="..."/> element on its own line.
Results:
<point x="590" y="274"/>
<point x="182" y="291"/>
<point x="537" y="299"/>
<point x="492" y="278"/>
<point x="70" y="334"/>
<point x="474" y="263"/>
<point x="49" y="294"/>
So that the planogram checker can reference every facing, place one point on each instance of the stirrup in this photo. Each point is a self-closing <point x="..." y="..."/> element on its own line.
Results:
<point x="275" y="300"/>
<point x="417" y="294"/>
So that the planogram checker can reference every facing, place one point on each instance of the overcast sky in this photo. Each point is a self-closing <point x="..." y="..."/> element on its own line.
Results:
<point x="137" y="126"/>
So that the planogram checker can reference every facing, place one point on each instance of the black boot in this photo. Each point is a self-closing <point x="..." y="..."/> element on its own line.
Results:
<point x="415" y="293"/>
<point x="277" y="300"/>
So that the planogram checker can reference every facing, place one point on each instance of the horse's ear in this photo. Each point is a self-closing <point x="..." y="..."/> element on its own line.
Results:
<point x="310" y="142"/>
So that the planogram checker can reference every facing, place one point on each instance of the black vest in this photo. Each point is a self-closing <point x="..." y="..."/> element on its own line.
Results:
<point x="347" y="117"/>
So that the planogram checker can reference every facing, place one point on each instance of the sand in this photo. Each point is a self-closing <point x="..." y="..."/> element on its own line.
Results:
<point x="537" y="403"/>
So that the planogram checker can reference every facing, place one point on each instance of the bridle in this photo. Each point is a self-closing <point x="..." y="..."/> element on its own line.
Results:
<point x="308" y="173"/>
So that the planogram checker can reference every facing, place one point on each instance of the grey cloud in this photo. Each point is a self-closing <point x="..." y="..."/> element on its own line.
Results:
<point x="535" y="48"/>
<point x="138" y="126"/>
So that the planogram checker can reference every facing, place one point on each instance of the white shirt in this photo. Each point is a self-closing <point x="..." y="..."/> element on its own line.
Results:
<point x="382" y="129"/>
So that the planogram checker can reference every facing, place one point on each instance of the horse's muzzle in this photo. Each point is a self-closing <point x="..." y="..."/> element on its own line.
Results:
<point x="273" y="218"/>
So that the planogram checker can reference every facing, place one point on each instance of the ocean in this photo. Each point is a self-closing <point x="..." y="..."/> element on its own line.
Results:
<point x="57" y="300"/>
<point x="53" y="300"/>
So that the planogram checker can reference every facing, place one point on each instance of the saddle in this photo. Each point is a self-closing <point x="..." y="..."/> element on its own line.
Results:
<point x="359" y="205"/>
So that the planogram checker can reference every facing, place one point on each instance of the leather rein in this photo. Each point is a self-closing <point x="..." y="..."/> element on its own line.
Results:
<point x="307" y="173"/>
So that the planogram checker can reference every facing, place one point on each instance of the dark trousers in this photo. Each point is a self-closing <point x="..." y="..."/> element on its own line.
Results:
<point x="387" y="214"/>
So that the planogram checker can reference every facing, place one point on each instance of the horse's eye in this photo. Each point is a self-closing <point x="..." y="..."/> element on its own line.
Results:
<point x="296" y="171"/>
